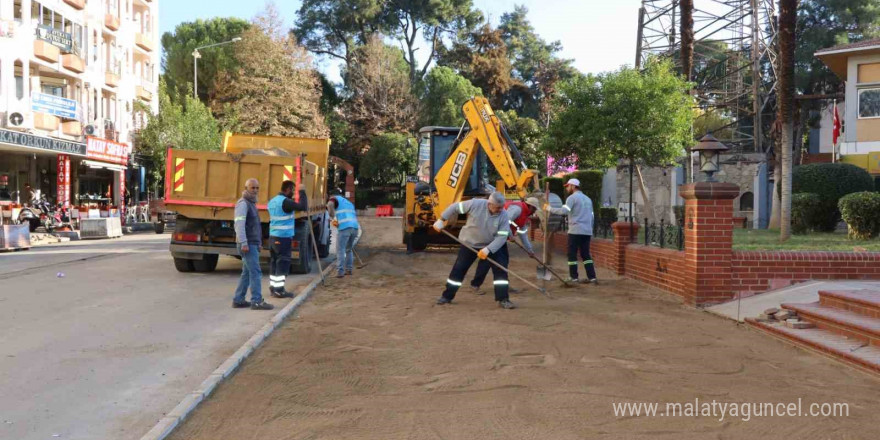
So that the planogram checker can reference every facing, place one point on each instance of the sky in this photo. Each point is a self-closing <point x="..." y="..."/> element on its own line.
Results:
<point x="599" y="35"/>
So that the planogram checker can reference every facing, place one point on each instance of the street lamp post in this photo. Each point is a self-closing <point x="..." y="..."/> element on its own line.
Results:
<point x="710" y="150"/>
<point x="196" y="55"/>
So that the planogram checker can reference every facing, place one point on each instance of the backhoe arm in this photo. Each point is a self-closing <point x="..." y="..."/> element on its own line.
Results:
<point x="485" y="132"/>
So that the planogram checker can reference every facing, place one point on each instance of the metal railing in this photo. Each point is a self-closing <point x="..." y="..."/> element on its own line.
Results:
<point x="663" y="235"/>
<point x="602" y="228"/>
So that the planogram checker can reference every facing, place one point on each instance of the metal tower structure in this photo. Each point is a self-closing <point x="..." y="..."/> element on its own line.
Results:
<point x="734" y="58"/>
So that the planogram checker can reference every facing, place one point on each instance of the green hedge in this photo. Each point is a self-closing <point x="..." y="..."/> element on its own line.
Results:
<point x="556" y="186"/>
<point x="830" y="181"/>
<point x="861" y="212"/>
<point x="806" y="213"/>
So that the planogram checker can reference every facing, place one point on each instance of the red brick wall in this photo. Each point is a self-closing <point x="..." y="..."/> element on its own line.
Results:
<point x="602" y="251"/>
<point x="759" y="271"/>
<point x="657" y="267"/>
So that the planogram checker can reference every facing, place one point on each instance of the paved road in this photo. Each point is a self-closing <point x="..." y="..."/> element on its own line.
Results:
<point x="105" y="350"/>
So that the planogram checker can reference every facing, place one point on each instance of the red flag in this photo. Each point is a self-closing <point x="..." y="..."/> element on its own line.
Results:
<point x="836" y="133"/>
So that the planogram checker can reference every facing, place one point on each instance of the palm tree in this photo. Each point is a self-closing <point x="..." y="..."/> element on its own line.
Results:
<point x="787" y="25"/>
<point x="687" y="37"/>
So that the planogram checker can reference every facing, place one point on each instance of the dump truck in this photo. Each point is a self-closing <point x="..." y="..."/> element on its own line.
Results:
<point x="202" y="187"/>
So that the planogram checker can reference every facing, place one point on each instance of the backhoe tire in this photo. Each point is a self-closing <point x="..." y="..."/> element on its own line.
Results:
<point x="183" y="264"/>
<point x="207" y="264"/>
<point x="418" y="241"/>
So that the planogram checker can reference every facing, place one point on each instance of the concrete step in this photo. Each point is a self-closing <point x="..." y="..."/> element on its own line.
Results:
<point x="843" y="322"/>
<point x="854" y="352"/>
<point x="864" y="302"/>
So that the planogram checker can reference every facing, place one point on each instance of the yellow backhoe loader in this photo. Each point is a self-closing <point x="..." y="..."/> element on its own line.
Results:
<point x="453" y="166"/>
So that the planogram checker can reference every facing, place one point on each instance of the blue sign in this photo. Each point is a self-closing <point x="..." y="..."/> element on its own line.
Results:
<point x="54" y="105"/>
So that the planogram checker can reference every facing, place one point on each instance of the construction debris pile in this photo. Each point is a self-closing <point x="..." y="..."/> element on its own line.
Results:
<point x="788" y="318"/>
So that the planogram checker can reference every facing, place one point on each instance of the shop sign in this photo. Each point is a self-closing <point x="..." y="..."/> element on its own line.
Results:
<point x="54" y="105"/>
<point x="41" y="143"/>
<point x="107" y="151"/>
<point x="55" y="37"/>
<point x="63" y="181"/>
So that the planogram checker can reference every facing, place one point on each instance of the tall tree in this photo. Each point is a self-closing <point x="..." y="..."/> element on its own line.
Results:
<point x="410" y="21"/>
<point x="528" y="53"/>
<point x="785" y="105"/>
<point x="178" y="46"/>
<point x="641" y="116"/>
<point x="187" y="124"/>
<point x="335" y="28"/>
<point x="275" y="90"/>
<point x="481" y="57"/>
<point x="527" y="134"/>
<point x="390" y="158"/>
<point x="444" y="94"/>
<point x="381" y="98"/>
<point x="687" y="37"/>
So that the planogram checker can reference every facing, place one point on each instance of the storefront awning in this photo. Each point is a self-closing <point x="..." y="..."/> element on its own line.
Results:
<point x="104" y="165"/>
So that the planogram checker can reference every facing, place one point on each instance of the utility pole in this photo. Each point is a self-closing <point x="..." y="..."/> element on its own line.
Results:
<point x="756" y="78"/>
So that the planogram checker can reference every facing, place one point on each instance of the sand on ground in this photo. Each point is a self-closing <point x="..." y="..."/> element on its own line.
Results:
<point x="372" y="357"/>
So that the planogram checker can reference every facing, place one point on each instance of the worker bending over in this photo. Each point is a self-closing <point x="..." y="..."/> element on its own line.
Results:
<point x="282" y="228"/>
<point x="345" y="219"/>
<point x="518" y="214"/>
<point x="487" y="229"/>
<point x="579" y="209"/>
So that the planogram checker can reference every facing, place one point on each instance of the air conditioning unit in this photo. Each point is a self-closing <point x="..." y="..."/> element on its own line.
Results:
<point x="90" y="130"/>
<point x="18" y="120"/>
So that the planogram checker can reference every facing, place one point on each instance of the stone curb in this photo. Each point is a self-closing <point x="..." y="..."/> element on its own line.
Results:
<point x="170" y="421"/>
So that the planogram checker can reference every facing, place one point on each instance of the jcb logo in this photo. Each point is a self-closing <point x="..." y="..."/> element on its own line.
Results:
<point x="485" y="115"/>
<point x="457" y="169"/>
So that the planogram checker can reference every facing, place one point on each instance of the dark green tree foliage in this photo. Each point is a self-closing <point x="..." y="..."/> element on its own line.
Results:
<point x="830" y="181"/>
<point x="335" y="28"/>
<point x="481" y="57"/>
<point x="527" y="134"/>
<point x="178" y="46"/>
<point x="644" y="116"/>
<point x="556" y="186"/>
<point x="391" y="157"/>
<point x="536" y="65"/>
<point x="444" y="94"/>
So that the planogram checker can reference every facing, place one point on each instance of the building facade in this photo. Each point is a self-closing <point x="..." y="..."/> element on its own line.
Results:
<point x="77" y="77"/>
<point x="858" y="65"/>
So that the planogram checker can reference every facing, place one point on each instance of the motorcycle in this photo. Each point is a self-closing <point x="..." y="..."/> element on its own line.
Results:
<point x="42" y="213"/>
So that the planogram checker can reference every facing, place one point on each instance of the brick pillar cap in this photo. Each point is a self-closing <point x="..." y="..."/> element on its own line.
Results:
<point x="709" y="191"/>
<point x="624" y="225"/>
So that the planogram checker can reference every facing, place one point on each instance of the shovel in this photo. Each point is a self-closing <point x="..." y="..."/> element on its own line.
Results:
<point x="361" y="263"/>
<point x="544" y="272"/>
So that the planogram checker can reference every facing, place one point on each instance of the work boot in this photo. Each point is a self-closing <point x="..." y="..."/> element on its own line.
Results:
<point x="572" y="280"/>
<point x="477" y="291"/>
<point x="283" y="294"/>
<point x="349" y="272"/>
<point x="443" y="300"/>
<point x="340" y="275"/>
<point x="506" y="304"/>
<point x="594" y="282"/>
<point x="262" y="305"/>
<point x="240" y="305"/>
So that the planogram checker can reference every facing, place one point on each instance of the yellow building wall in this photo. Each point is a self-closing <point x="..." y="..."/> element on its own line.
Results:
<point x="859" y="160"/>
<point x="868" y="130"/>
<point x="869" y="73"/>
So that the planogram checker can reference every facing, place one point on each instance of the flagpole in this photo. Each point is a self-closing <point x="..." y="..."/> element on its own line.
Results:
<point x="834" y="121"/>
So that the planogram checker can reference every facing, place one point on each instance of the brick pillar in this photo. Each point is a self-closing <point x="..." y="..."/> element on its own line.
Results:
<point x="708" y="241"/>
<point x="623" y="233"/>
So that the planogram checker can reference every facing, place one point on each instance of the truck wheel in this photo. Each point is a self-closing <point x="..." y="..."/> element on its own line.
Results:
<point x="183" y="264"/>
<point x="207" y="264"/>
<point x="303" y="264"/>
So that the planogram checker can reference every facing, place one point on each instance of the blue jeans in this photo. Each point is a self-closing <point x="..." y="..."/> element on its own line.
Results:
<point x="251" y="275"/>
<point x="344" y="255"/>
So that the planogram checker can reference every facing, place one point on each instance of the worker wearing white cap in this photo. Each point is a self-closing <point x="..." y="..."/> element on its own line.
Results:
<point x="579" y="209"/>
